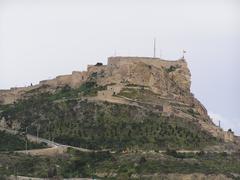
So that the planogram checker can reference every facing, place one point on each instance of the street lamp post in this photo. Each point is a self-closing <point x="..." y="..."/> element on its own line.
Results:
<point x="38" y="128"/>
<point x="26" y="139"/>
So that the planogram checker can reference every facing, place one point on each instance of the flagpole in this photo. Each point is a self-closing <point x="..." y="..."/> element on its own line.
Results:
<point x="183" y="53"/>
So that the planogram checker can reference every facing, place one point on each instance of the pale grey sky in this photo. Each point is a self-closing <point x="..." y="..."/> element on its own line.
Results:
<point x="41" y="39"/>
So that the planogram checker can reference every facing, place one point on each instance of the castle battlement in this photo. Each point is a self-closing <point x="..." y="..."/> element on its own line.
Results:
<point x="148" y="60"/>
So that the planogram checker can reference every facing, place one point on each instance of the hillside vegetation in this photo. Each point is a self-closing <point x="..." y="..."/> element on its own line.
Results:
<point x="69" y="119"/>
<point x="103" y="165"/>
<point x="145" y="124"/>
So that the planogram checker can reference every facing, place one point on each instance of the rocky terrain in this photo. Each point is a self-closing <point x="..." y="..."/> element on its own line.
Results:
<point x="132" y="105"/>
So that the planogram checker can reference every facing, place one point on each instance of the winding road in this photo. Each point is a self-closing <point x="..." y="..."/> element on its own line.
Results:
<point x="57" y="148"/>
<point x="54" y="148"/>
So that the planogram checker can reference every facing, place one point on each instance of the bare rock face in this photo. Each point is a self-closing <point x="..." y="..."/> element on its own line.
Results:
<point x="160" y="75"/>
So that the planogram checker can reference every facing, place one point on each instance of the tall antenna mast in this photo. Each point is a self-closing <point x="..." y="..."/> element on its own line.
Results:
<point x="154" y="48"/>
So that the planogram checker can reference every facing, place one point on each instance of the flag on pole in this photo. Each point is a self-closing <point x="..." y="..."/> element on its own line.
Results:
<point x="183" y="53"/>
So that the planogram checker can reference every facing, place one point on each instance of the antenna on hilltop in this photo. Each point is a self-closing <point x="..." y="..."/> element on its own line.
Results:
<point x="154" y="48"/>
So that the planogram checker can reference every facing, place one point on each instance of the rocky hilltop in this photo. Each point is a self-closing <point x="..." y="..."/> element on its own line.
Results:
<point x="134" y="118"/>
<point x="139" y="86"/>
<point x="167" y="78"/>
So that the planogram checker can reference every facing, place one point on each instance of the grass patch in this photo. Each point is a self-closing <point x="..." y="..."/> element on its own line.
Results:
<point x="89" y="88"/>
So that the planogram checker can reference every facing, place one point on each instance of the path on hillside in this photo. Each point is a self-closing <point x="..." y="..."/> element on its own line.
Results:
<point x="57" y="148"/>
<point x="54" y="148"/>
<point x="13" y="177"/>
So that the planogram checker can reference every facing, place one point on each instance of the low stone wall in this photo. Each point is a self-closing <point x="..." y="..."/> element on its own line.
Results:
<point x="46" y="151"/>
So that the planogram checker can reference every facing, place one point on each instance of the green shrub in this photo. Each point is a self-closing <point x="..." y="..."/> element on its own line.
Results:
<point x="171" y="69"/>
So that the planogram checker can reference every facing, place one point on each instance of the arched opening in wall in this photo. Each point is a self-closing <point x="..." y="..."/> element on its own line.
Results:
<point x="114" y="93"/>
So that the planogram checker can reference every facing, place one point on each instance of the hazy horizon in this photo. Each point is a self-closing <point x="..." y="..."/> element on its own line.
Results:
<point x="45" y="38"/>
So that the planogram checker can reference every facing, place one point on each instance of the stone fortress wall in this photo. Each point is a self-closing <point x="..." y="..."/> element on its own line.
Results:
<point x="77" y="78"/>
<point x="116" y="61"/>
<point x="9" y="96"/>
<point x="111" y="91"/>
<point x="73" y="80"/>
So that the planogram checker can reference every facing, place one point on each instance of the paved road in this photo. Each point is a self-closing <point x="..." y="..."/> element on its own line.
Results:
<point x="31" y="137"/>
<point x="54" y="147"/>
<point x="12" y="177"/>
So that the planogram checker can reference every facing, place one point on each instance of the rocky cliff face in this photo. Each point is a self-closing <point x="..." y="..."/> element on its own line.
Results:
<point x="151" y="82"/>
<point x="164" y="77"/>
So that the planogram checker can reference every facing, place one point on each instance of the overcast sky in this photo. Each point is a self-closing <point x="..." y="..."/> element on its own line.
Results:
<point x="41" y="39"/>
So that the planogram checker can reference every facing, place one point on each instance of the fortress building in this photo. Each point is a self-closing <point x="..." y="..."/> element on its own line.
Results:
<point x="143" y="71"/>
